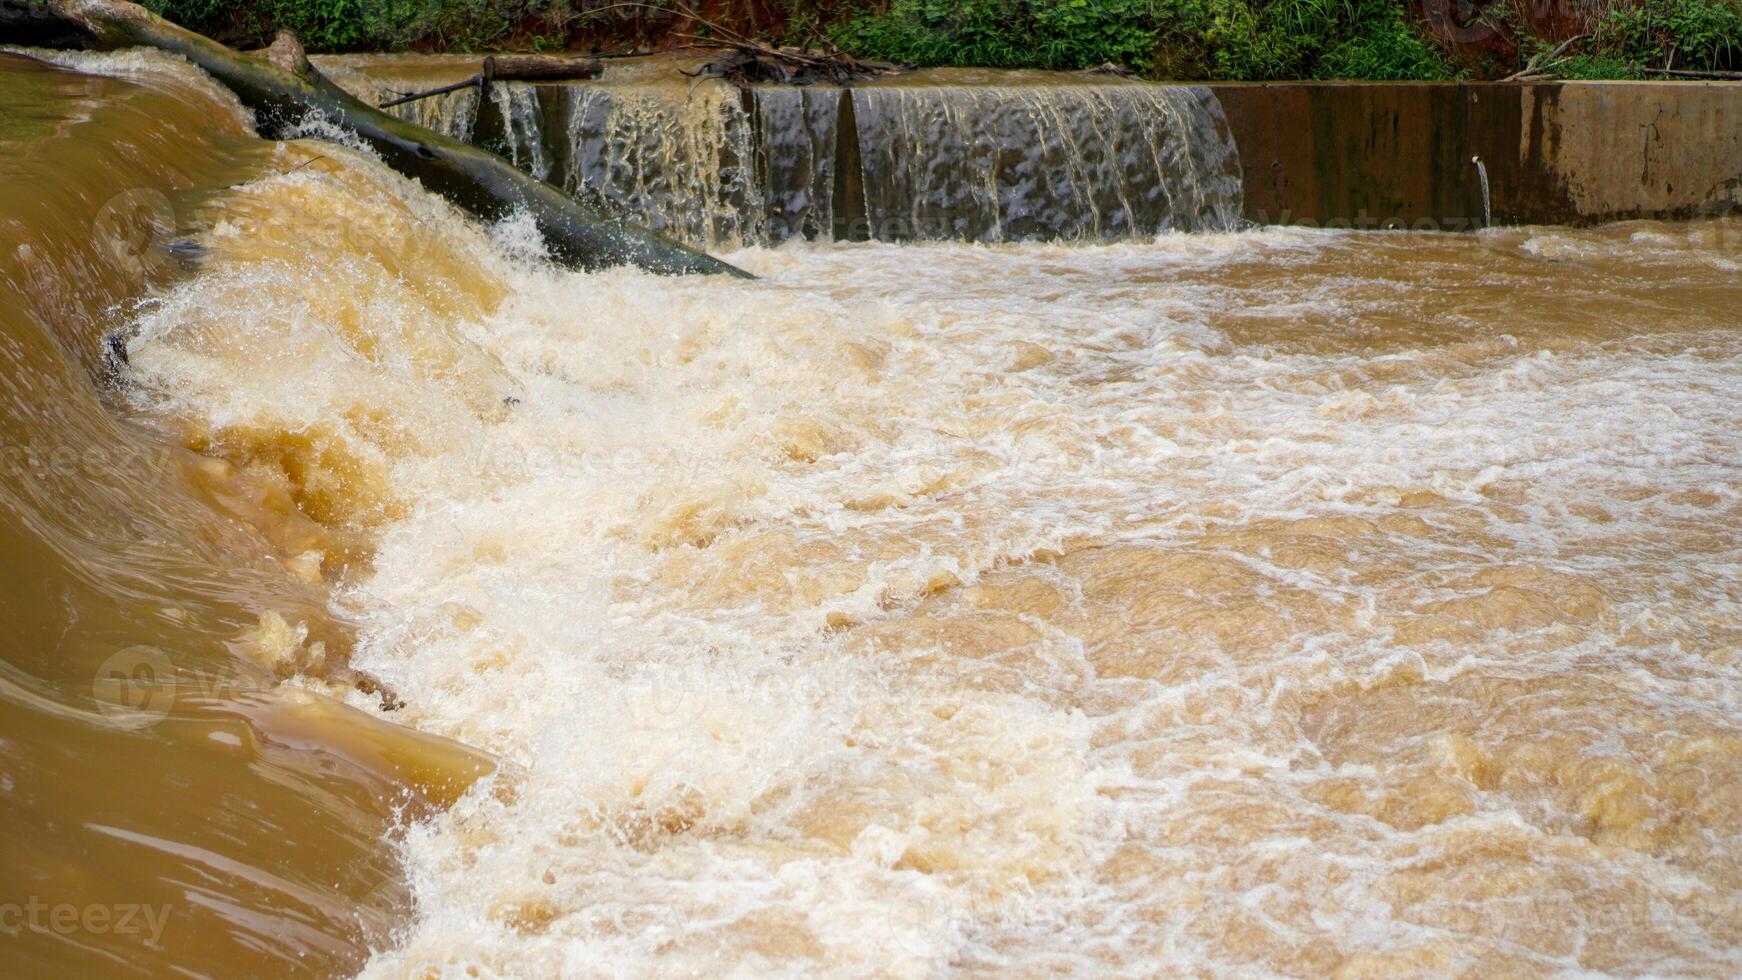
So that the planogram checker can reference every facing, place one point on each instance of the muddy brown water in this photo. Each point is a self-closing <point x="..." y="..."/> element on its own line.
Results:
<point x="164" y="808"/>
<point x="1286" y="602"/>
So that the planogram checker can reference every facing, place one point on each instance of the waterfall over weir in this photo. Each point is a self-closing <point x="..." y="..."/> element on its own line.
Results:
<point x="1013" y="163"/>
<point x="939" y="155"/>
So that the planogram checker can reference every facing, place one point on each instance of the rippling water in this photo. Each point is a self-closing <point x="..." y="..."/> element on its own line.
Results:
<point x="1286" y="602"/>
<point x="165" y="803"/>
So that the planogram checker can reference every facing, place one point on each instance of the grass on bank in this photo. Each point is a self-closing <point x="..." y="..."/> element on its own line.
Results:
<point x="1195" y="39"/>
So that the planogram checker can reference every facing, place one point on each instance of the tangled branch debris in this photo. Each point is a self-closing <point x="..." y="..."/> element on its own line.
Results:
<point x="748" y="61"/>
<point x="1108" y="68"/>
<point x="1543" y="66"/>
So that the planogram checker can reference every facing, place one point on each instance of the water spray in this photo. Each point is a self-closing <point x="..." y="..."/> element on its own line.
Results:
<point x="1487" y="208"/>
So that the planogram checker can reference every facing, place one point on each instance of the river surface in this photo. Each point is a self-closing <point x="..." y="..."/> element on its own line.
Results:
<point x="1275" y="602"/>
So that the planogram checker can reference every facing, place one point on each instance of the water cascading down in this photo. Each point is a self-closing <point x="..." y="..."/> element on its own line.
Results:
<point x="922" y="158"/>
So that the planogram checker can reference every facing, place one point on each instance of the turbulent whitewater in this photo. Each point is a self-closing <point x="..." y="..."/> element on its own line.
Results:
<point x="1284" y="602"/>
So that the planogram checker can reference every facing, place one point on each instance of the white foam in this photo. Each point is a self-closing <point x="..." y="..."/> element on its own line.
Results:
<point x="916" y="610"/>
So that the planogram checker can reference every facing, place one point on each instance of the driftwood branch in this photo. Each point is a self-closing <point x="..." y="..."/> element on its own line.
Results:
<point x="282" y="87"/>
<point x="430" y="93"/>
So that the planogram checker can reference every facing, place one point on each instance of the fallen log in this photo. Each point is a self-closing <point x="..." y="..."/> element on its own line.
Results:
<point x="538" y="68"/>
<point x="512" y="68"/>
<point x="283" y="88"/>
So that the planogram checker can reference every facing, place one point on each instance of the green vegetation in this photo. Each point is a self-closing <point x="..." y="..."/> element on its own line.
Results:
<point x="1230" y="39"/>
<point x="356" y="25"/>
<point x="1630" y="41"/>
<point x="1689" y="34"/>
<point x="1218" y="39"/>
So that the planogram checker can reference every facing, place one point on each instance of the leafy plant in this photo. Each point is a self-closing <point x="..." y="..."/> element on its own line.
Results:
<point x="345" y="25"/>
<point x="1207" y="38"/>
<point x="1699" y="35"/>
<point x="1596" y="67"/>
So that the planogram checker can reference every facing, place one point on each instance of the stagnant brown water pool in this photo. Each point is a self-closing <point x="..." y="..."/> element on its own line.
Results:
<point x="1277" y="602"/>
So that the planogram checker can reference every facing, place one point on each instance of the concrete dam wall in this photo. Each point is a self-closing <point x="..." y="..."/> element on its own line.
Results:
<point x="1556" y="153"/>
<point x="962" y="154"/>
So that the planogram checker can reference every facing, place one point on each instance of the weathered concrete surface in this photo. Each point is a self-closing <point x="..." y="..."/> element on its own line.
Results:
<point x="1391" y="155"/>
<point x="1620" y="149"/>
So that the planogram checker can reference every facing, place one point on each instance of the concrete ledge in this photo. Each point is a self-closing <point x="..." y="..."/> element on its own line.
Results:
<point x="1378" y="155"/>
